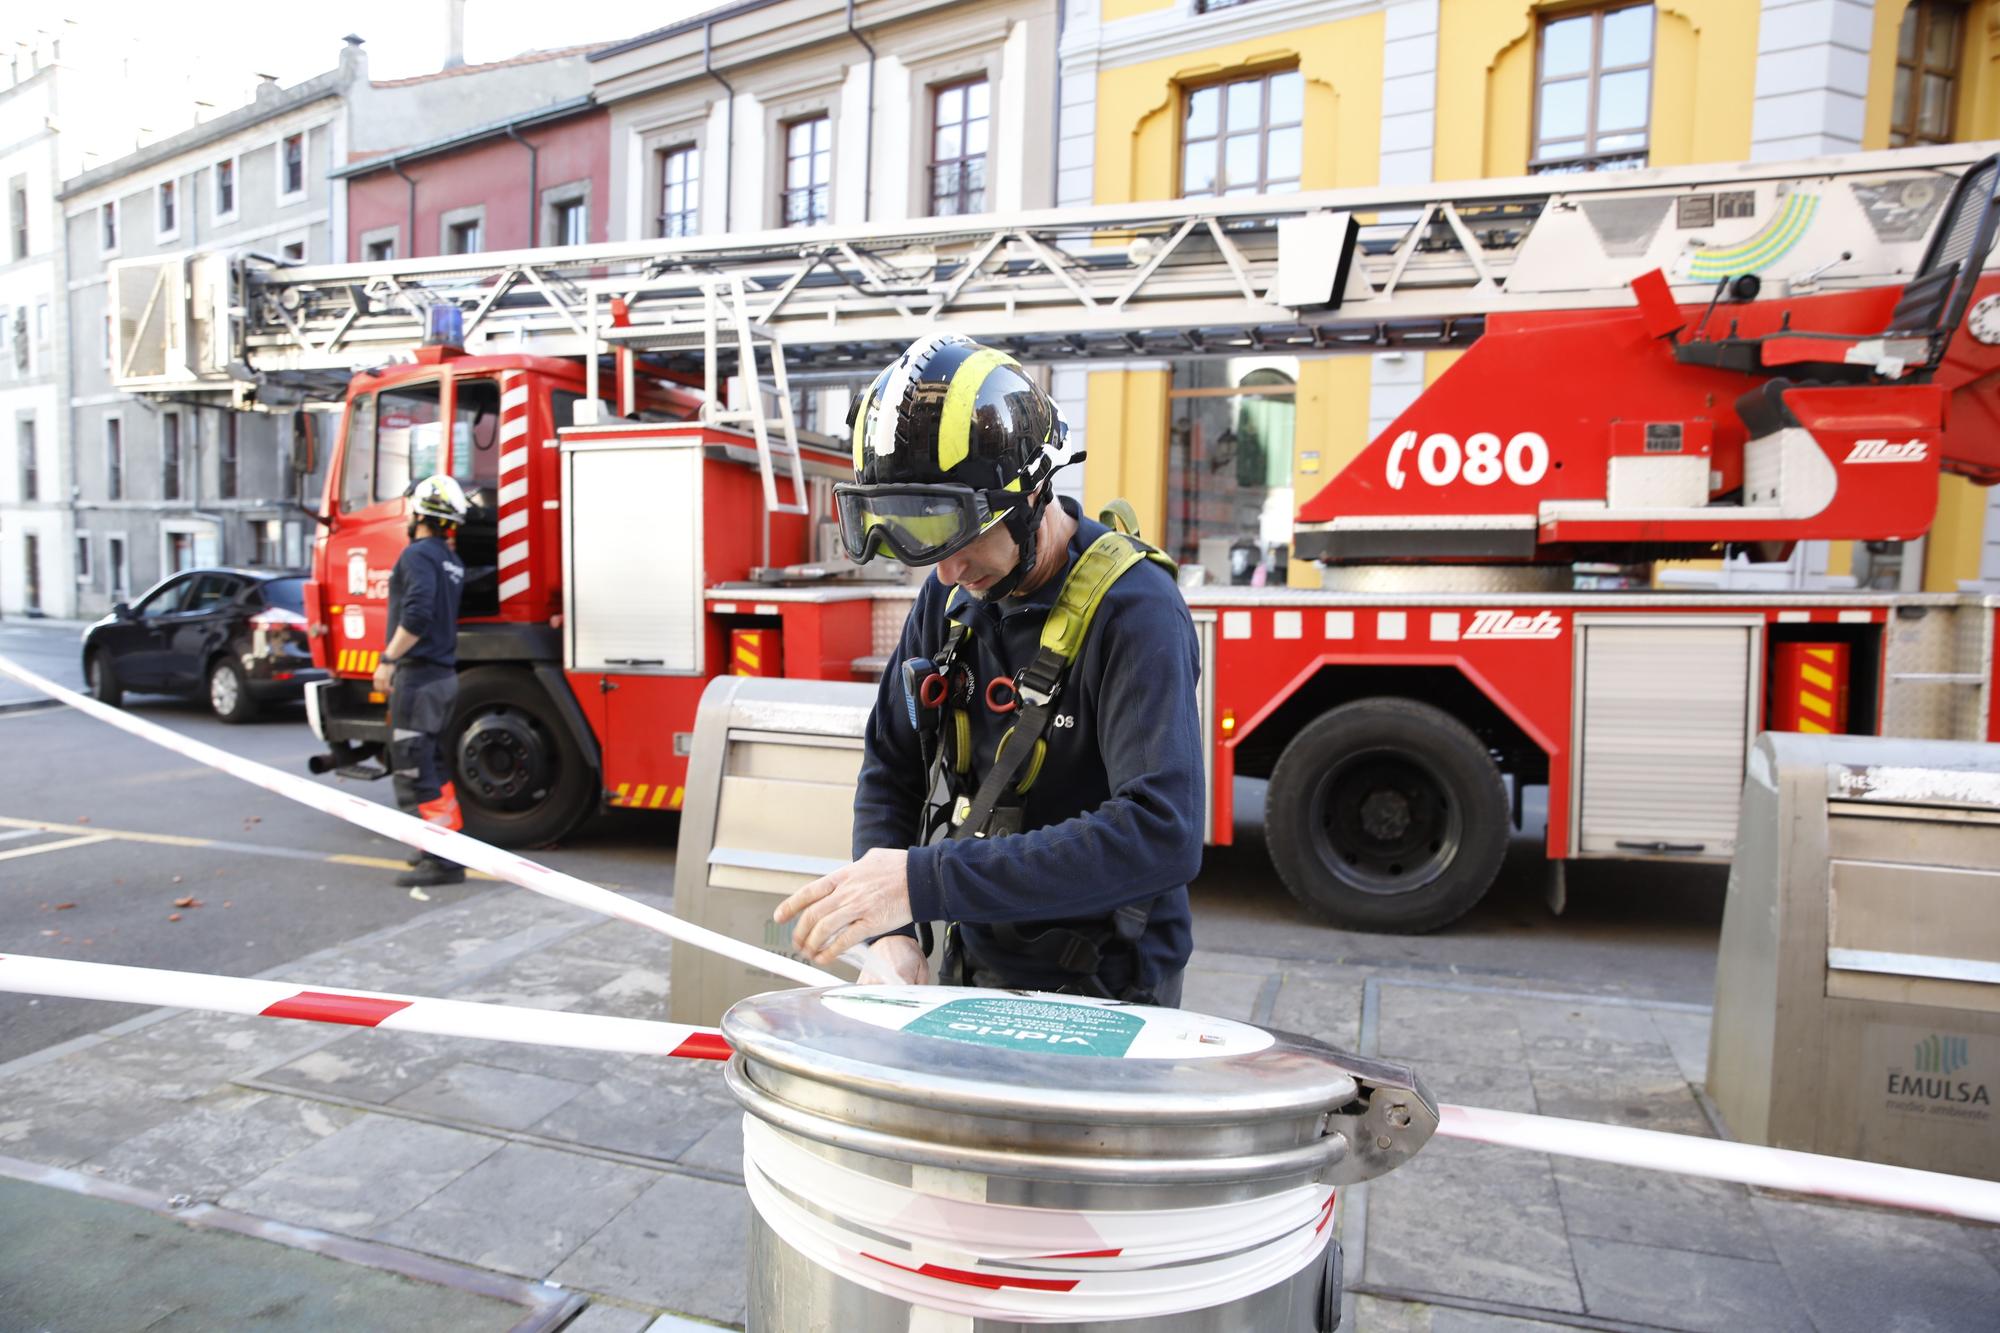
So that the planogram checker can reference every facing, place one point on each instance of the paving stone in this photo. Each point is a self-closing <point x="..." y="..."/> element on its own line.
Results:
<point x="483" y="1095"/>
<point x="679" y="1246"/>
<point x="72" y="1109"/>
<point x="373" y="1067"/>
<point x="1421" y="1023"/>
<point x="721" y="1149"/>
<point x="577" y="1066"/>
<point x="1607" y="1093"/>
<point x="636" y="992"/>
<point x="619" y="942"/>
<point x="1319" y="1007"/>
<point x="540" y="981"/>
<point x="646" y="1119"/>
<point x="1686" y="1036"/>
<point x="367" y="1174"/>
<point x="1869" y="1269"/>
<point x="1508" y="1089"/>
<point x="1373" y="1314"/>
<point x="1472" y="1220"/>
<point x="523" y="1210"/>
<point x="1658" y="1208"/>
<point x="226" y="1140"/>
<point x="1650" y="1284"/>
<point x="600" y="1317"/>
<point x="1220" y="991"/>
<point x="1562" y="1023"/>
<point x="187" y="1056"/>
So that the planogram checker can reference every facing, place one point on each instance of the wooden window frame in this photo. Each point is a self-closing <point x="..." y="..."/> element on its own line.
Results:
<point x="672" y="223"/>
<point x="962" y="196"/>
<point x="1591" y="159"/>
<point x="1904" y="132"/>
<point x="786" y="190"/>
<point x="1262" y="79"/>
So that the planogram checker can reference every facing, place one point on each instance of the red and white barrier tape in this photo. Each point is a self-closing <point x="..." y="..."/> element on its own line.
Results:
<point x="32" y="975"/>
<point x="468" y="852"/>
<point x="1718" y="1159"/>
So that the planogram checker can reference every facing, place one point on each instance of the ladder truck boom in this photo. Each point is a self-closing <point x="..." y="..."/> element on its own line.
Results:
<point x="1581" y="418"/>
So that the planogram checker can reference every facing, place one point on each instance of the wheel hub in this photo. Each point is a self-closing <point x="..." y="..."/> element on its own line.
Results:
<point x="1385" y="815"/>
<point x="1386" y="823"/>
<point x="222" y="690"/>
<point x="504" y="761"/>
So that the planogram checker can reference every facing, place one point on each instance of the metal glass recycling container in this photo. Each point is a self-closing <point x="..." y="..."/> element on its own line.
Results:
<point x="868" y="1107"/>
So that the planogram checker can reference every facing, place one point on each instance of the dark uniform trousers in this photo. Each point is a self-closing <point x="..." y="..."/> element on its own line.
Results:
<point x="420" y="703"/>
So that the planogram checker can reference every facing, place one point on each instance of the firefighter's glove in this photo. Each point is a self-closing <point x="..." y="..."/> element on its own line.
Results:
<point x="856" y="902"/>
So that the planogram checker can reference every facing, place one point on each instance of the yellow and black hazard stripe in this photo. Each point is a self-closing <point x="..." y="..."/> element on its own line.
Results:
<point x="358" y="661"/>
<point x="915" y="421"/>
<point x="647" y="796"/>
<point x="1817" y="690"/>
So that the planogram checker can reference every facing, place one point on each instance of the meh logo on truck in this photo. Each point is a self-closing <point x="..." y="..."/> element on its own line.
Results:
<point x="1507" y="625"/>
<point x="1887" y="451"/>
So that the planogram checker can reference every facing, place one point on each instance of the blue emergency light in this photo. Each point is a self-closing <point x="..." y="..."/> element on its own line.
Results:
<point x="444" y="324"/>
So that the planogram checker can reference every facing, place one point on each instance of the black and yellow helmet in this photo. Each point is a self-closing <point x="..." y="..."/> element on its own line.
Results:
<point x="949" y="440"/>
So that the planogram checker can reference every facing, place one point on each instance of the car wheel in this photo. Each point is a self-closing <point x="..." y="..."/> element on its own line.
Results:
<point x="1387" y="815"/>
<point x="104" y="686"/>
<point x="229" y="692"/>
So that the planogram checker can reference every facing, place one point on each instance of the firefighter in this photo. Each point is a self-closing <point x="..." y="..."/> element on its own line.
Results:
<point x="1032" y="774"/>
<point x="419" y="669"/>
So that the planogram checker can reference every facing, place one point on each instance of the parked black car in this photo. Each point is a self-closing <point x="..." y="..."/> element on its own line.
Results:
<point x="236" y="637"/>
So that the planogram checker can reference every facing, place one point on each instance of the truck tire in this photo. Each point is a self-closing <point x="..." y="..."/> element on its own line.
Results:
<point x="1387" y="815"/>
<point x="521" y="779"/>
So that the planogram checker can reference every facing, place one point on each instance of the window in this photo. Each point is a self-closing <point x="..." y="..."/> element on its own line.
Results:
<point x="180" y="554"/>
<point x="570" y="222"/>
<point x="107" y="342"/>
<point x="31" y="570"/>
<point x="1229" y="467"/>
<point x="17" y="215"/>
<point x="680" y="191"/>
<point x="395" y="437"/>
<point x="18" y="327"/>
<point x="357" y="468"/>
<point x="267" y="546"/>
<point x="1243" y="137"/>
<point x="1594" y="91"/>
<point x="225" y="189"/>
<point x="1927" y="52"/>
<point x="213" y="592"/>
<point x="958" y="148"/>
<point x="292" y="165"/>
<point x="295" y="251"/>
<point x="381" y="248"/>
<point x="170" y="456"/>
<point x="83" y="558"/>
<point x="462" y="237"/>
<point x="121" y="569"/>
<point x="114" y="458"/>
<point x="167" y="218"/>
<point x="107" y="227"/>
<point x="225" y="458"/>
<point x="31" y="481"/>
<point x="804" y="200"/>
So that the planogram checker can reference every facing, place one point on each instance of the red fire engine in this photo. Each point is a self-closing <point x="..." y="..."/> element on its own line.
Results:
<point x="1660" y="364"/>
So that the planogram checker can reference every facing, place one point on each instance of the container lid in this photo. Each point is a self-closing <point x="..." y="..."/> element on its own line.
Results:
<point x="1028" y="1055"/>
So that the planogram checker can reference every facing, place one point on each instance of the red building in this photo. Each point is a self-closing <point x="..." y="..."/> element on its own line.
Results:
<point x="541" y="177"/>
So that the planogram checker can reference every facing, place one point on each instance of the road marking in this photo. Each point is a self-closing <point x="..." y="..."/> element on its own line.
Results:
<point x="20" y="833"/>
<point x="30" y="826"/>
<point x="53" y="846"/>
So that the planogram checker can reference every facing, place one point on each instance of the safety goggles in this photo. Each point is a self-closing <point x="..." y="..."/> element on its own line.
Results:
<point x="919" y="525"/>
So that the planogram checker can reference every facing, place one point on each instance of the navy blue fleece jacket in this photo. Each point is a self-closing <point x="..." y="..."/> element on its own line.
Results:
<point x="1115" y="815"/>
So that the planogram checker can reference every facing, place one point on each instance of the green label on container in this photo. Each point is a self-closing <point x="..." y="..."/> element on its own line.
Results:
<point x="1036" y="1025"/>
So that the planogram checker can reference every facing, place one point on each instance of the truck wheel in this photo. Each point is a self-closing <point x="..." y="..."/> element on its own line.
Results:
<point x="521" y="779"/>
<point x="1387" y="815"/>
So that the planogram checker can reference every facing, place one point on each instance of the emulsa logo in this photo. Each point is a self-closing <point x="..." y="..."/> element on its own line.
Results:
<point x="1934" y="1075"/>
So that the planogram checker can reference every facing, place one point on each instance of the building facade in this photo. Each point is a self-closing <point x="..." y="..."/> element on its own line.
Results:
<point x="1191" y="98"/>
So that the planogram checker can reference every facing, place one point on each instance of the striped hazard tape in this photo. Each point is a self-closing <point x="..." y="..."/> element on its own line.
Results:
<point x="359" y="660"/>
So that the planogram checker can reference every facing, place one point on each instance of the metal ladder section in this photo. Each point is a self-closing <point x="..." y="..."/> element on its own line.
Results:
<point x="727" y="311"/>
<point x="1424" y="267"/>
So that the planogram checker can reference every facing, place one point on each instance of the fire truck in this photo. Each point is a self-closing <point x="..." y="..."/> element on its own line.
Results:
<point x="1657" y="364"/>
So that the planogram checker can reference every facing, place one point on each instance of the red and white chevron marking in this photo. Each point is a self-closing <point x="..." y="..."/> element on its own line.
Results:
<point x="369" y="1009"/>
<point x="516" y="569"/>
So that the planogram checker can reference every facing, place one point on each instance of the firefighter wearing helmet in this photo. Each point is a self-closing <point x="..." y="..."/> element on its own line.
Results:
<point x="419" y="668"/>
<point x="1033" y="775"/>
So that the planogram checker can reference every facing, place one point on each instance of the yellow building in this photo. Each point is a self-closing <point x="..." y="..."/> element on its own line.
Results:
<point x="1192" y="98"/>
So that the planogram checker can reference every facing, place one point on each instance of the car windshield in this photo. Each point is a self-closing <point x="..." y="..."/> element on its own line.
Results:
<point x="287" y="593"/>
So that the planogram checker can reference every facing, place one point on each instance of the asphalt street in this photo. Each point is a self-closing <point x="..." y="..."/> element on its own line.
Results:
<point x="102" y="834"/>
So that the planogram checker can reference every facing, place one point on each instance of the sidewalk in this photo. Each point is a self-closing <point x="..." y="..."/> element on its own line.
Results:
<point x="619" y="1178"/>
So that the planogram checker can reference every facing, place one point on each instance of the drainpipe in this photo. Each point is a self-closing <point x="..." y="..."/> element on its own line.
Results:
<point x="868" y="133"/>
<point x="534" y="186"/>
<point x="1055" y="155"/>
<point x="728" y="127"/>
<point x="396" y="165"/>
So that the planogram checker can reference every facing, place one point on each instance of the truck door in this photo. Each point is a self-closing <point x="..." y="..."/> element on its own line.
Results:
<point x="393" y="438"/>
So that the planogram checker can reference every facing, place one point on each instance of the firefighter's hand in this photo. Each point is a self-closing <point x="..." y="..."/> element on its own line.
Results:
<point x="896" y="960"/>
<point x="385" y="676"/>
<point x="856" y="902"/>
